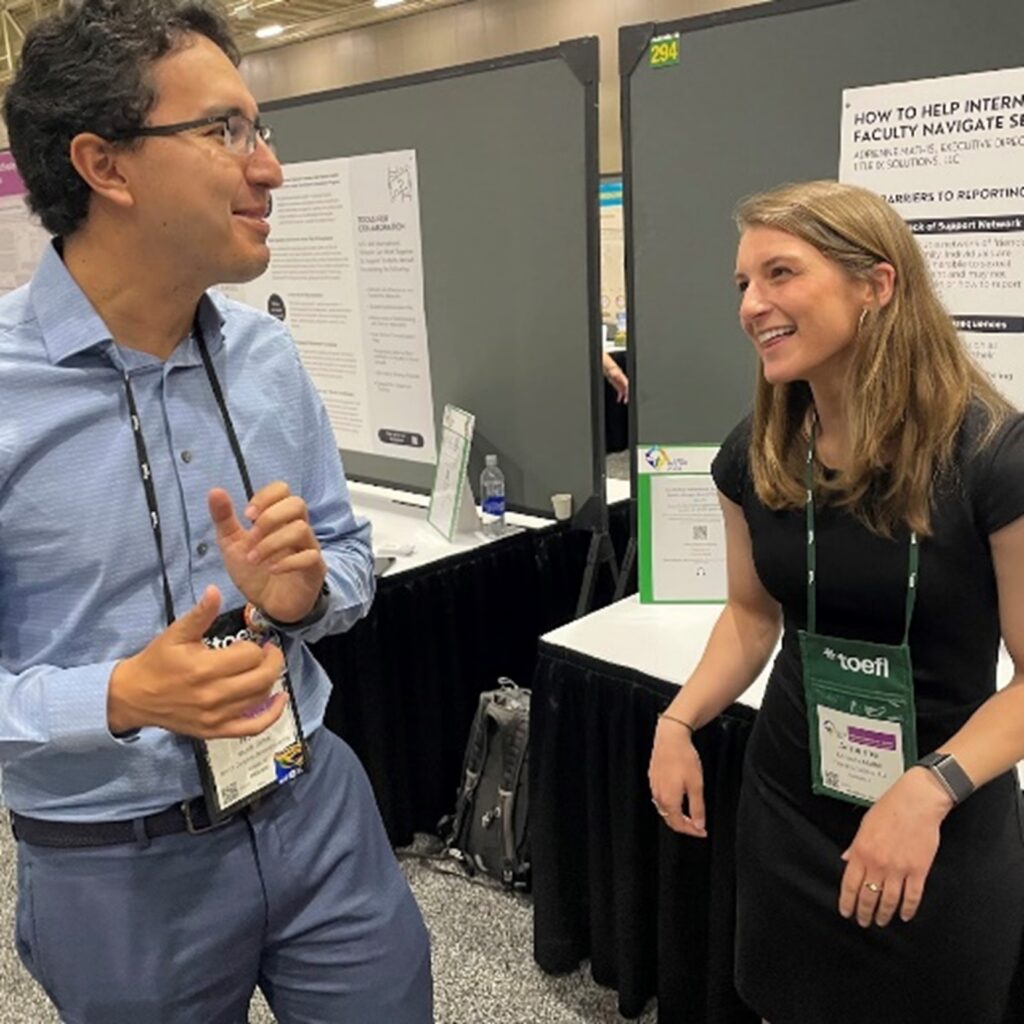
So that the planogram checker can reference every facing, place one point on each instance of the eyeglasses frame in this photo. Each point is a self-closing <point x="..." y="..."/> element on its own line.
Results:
<point x="260" y="132"/>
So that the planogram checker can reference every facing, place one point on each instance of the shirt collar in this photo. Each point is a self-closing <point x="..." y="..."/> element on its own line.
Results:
<point x="70" y="325"/>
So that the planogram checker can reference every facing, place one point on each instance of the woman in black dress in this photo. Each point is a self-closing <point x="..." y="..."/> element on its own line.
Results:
<point x="871" y="887"/>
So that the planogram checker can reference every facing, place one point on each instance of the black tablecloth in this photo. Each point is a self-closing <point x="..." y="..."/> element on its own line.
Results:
<point x="407" y="678"/>
<point x="653" y="910"/>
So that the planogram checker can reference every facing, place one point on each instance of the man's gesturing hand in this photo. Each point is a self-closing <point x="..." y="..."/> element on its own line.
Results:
<point x="178" y="683"/>
<point x="276" y="563"/>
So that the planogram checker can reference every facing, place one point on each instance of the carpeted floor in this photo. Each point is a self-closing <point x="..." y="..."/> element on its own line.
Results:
<point x="483" y="969"/>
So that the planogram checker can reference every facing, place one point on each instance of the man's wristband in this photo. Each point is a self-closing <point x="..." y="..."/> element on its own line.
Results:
<point x="315" y="614"/>
<point x="953" y="779"/>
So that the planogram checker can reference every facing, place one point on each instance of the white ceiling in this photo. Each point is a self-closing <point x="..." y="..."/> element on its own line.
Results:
<point x="306" y="19"/>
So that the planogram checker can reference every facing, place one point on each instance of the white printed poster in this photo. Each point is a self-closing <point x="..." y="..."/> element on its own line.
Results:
<point x="948" y="153"/>
<point x="613" y="255"/>
<point x="681" y="532"/>
<point x="22" y="237"/>
<point x="346" y="276"/>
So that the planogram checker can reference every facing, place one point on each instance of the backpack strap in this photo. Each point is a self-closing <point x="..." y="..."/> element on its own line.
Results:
<point x="472" y="767"/>
<point x="514" y="751"/>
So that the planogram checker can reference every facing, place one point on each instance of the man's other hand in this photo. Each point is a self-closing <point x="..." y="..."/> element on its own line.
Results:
<point x="178" y="683"/>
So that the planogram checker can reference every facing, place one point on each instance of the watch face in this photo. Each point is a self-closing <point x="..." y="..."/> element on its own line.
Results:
<point x="948" y="770"/>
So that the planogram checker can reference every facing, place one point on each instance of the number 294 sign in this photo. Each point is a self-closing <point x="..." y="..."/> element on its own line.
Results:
<point x="665" y="50"/>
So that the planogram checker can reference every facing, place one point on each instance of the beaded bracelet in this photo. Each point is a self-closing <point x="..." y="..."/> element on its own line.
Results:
<point x="678" y="721"/>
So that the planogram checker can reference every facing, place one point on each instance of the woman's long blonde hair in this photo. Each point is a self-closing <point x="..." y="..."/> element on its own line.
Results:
<point x="910" y="379"/>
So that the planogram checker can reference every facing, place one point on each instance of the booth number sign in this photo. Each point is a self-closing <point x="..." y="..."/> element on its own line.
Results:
<point x="665" y="50"/>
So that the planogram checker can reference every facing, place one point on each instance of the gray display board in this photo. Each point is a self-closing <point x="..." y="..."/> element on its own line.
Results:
<point x="508" y="171"/>
<point x="754" y="101"/>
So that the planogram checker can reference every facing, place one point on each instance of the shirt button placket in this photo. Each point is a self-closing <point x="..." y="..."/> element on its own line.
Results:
<point x="202" y="547"/>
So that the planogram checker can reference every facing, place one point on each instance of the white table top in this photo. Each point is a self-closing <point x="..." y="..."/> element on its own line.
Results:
<point x="666" y="641"/>
<point x="616" y="490"/>
<point x="399" y="520"/>
<point x="661" y="640"/>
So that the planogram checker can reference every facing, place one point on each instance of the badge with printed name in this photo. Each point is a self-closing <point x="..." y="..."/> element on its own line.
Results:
<point x="861" y="716"/>
<point x="237" y="772"/>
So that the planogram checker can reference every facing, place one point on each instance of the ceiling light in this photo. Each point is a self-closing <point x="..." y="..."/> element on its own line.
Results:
<point x="386" y="3"/>
<point x="269" y="31"/>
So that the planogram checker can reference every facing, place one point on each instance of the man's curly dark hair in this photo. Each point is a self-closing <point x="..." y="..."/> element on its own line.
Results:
<point x="87" y="69"/>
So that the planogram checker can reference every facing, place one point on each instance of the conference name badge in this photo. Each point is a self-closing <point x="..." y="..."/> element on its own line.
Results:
<point x="236" y="772"/>
<point x="861" y="716"/>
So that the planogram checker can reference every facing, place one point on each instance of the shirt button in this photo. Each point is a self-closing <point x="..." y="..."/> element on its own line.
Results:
<point x="186" y="456"/>
<point x="201" y="548"/>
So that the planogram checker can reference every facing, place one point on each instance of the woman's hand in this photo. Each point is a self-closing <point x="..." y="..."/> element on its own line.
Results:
<point x="676" y="777"/>
<point x="890" y="856"/>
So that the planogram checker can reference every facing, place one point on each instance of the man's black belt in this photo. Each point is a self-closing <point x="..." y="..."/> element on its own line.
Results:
<point x="189" y="816"/>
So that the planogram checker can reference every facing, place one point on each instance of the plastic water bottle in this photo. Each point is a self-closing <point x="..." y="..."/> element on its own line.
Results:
<point x="492" y="497"/>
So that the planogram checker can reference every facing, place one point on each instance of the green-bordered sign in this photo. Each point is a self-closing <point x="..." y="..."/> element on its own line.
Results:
<point x="665" y="50"/>
<point x="680" y="530"/>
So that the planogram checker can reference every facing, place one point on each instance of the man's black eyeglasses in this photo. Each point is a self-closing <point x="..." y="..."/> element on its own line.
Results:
<point x="240" y="133"/>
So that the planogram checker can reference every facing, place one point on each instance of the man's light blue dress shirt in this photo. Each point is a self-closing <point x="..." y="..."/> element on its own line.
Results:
<point x="80" y="582"/>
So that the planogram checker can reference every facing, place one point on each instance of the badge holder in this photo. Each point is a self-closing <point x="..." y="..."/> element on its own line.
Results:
<point x="862" y="731"/>
<point x="238" y="772"/>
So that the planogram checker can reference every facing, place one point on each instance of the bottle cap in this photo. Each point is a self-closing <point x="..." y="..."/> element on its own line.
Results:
<point x="490" y="460"/>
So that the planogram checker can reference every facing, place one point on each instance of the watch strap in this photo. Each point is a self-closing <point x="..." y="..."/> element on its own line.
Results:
<point x="315" y="614"/>
<point x="947" y="770"/>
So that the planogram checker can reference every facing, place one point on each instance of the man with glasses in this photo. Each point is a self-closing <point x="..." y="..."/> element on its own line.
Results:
<point x="174" y="528"/>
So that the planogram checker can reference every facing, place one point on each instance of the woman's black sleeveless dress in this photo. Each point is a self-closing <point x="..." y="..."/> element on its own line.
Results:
<point x="798" y="961"/>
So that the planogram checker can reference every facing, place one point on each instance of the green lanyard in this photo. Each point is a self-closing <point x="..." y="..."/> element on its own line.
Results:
<point x="860" y="695"/>
<point x="812" y="583"/>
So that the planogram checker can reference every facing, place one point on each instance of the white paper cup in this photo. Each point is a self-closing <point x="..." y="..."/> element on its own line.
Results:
<point x="562" y="504"/>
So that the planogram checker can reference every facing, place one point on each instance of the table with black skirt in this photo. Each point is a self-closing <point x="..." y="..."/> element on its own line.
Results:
<point x="652" y="910"/>
<point x="407" y="678"/>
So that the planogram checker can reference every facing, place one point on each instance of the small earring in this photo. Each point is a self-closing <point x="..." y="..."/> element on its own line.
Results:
<point x="863" y="317"/>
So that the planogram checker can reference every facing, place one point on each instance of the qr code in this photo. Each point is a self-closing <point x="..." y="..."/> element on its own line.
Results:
<point x="229" y="794"/>
<point x="700" y="533"/>
<point x="832" y="780"/>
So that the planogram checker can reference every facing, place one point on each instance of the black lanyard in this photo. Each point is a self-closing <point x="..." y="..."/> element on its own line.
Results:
<point x="144" y="466"/>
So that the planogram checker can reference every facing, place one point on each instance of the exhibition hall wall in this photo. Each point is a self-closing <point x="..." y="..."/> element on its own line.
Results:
<point x="479" y="30"/>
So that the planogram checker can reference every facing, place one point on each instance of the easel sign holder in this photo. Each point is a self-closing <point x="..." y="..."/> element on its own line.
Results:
<point x="452" y="510"/>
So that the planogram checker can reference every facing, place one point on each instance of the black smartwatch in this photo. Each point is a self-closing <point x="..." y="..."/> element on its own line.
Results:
<point x="955" y="781"/>
<point x="315" y="614"/>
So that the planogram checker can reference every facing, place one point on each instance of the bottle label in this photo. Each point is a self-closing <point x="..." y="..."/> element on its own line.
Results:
<point x="494" y="505"/>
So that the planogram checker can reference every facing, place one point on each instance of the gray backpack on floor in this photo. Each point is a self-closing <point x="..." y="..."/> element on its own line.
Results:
<point x="489" y="831"/>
